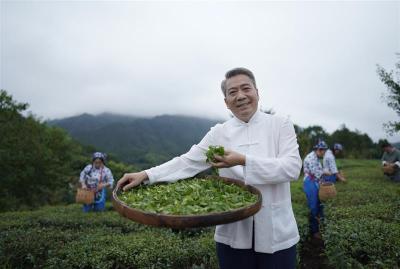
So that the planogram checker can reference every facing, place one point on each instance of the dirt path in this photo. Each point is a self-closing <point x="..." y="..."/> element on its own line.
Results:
<point x="313" y="255"/>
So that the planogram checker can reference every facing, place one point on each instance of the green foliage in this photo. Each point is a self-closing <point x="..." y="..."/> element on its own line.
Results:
<point x="392" y="97"/>
<point x="210" y="154"/>
<point x="212" y="151"/>
<point x="355" y="143"/>
<point x="39" y="164"/>
<point x="362" y="226"/>
<point x="189" y="197"/>
<point x="301" y="213"/>
<point x="10" y="106"/>
<point x="65" y="237"/>
<point x="35" y="161"/>
<point x="119" y="169"/>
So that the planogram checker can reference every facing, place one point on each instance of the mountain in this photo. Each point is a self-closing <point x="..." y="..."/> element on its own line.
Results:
<point x="141" y="141"/>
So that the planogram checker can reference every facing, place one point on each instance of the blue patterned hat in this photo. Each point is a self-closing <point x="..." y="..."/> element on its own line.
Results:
<point x="99" y="155"/>
<point x="321" y="145"/>
<point x="337" y="146"/>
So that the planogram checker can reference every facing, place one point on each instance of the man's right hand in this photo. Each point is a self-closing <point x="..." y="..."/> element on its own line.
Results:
<point x="131" y="180"/>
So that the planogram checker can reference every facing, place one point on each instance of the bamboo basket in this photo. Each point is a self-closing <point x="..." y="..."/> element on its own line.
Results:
<point x="84" y="196"/>
<point x="327" y="190"/>
<point x="389" y="169"/>
<point x="189" y="221"/>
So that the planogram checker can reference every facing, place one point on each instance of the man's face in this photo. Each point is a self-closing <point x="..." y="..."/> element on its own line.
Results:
<point x="388" y="149"/>
<point x="241" y="97"/>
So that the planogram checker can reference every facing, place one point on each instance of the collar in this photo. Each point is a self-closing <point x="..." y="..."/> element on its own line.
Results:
<point x="254" y="119"/>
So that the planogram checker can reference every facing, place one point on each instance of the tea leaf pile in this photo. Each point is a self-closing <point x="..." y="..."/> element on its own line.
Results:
<point x="214" y="150"/>
<point x="188" y="197"/>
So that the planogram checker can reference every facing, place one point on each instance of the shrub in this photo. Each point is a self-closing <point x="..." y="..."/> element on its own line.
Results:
<point x="65" y="237"/>
<point x="361" y="227"/>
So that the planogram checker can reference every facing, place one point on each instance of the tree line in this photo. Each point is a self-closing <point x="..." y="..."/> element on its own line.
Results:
<point x="356" y="144"/>
<point x="39" y="164"/>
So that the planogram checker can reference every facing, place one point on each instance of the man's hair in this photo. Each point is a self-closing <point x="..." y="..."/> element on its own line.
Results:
<point x="385" y="144"/>
<point x="237" y="71"/>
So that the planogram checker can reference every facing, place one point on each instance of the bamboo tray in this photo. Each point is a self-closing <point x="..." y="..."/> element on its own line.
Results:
<point x="189" y="221"/>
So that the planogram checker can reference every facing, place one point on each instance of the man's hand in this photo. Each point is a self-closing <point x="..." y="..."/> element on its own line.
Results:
<point x="230" y="158"/>
<point x="83" y="186"/>
<point x="131" y="180"/>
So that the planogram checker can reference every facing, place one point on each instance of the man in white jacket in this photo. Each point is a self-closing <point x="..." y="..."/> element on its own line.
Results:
<point x="261" y="150"/>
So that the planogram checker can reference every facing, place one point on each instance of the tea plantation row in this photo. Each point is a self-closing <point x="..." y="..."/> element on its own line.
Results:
<point x="362" y="229"/>
<point x="362" y="225"/>
<point x="64" y="237"/>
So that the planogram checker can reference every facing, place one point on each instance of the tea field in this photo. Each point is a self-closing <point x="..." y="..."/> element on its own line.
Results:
<point x="361" y="230"/>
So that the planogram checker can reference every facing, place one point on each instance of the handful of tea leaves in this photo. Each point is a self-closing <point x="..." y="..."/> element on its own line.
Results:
<point x="188" y="197"/>
<point x="214" y="150"/>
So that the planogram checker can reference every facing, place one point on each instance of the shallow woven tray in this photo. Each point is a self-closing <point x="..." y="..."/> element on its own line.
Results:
<point x="189" y="221"/>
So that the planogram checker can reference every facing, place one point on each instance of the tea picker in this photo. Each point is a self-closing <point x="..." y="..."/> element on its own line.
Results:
<point x="313" y="174"/>
<point x="329" y="164"/>
<point x="94" y="180"/>
<point x="391" y="162"/>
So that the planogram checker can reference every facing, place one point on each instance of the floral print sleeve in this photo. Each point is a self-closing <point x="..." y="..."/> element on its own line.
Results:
<point x="108" y="176"/>
<point x="312" y="166"/>
<point x="329" y="163"/>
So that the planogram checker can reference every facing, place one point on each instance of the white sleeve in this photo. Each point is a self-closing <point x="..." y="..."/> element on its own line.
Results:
<point x="283" y="168"/>
<point x="186" y="165"/>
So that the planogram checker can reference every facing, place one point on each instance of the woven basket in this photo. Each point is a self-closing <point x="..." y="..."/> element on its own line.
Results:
<point x="389" y="169"/>
<point x="84" y="196"/>
<point x="327" y="190"/>
<point x="189" y="221"/>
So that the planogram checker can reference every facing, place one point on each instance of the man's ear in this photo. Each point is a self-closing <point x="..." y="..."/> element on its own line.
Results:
<point x="258" y="96"/>
<point x="226" y="103"/>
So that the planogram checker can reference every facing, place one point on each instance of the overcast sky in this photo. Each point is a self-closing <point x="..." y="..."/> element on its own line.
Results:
<point x="313" y="61"/>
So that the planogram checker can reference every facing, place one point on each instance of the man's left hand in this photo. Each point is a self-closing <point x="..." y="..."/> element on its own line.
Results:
<point x="230" y="158"/>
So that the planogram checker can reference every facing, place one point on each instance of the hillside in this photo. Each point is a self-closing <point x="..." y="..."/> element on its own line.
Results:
<point x="143" y="142"/>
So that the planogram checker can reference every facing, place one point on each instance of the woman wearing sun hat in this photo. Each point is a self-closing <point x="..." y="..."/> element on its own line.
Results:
<point x="313" y="173"/>
<point x="96" y="176"/>
<point x="329" y="164"/>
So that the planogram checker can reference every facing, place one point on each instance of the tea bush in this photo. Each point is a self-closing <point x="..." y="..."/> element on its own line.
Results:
<point x="362" y="225"/>
<point x="65" y="237"/>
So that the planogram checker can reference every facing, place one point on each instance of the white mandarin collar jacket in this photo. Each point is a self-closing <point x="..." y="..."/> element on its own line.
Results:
<point x="272" y="161"/>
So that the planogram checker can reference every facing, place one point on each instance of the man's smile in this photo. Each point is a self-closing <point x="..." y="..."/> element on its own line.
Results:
<point x="243" y="105"/>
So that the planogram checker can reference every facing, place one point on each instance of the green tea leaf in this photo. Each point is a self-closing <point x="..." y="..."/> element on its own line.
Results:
<point x="188" y="197"/>
<point x="214" y="150"/>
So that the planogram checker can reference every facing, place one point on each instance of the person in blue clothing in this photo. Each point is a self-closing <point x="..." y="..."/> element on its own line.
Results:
<point x="331" y="172"/>
<point x="313" y="173"/>
<point x="96" y="177"/>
